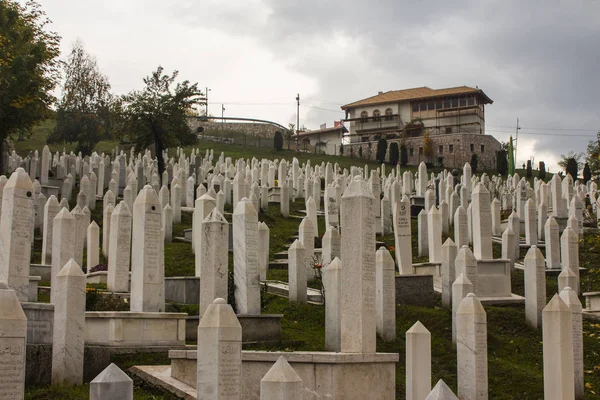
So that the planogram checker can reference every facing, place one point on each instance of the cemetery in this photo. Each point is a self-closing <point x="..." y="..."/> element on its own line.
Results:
<point x="286" y="276"/>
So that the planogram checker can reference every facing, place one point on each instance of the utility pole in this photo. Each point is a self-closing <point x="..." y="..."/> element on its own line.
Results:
<point x="298" y="113"/>
<point x="516" y="140"/>
<point x="222" y="113"/>
<point x="207" y="90"/>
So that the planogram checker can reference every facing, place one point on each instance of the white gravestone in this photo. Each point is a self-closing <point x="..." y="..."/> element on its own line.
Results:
<point x="535" y="287"/>
<point x="16" y="232"/>
<point x="63" y="246"/>
<point x="51" y="209"/>
<point x="281" y="382"/>
<point x="570" y="298"/>
<point x="13" y="332"/>
<point x="117" y="279"/>
<point x="402" y="235"/>
<point x="245" y="258"/>
<point x="482" y="222"/>
<point x="219" y="359"/>
<point x="557" y="335"/>
<point x="471" y="349"/>
<point x="385" y="285"/>
<point x="69" y="326"/>
<point x="147" y="265"/>
<point x="93" y="245"/>
<point x="297" y="272"/>
<point x="358" y="322"/>
<point x="448" y="272"/>
<point x="111" y="383"/>
<point x="418" y="362"/>
<point x="332" y="281"/>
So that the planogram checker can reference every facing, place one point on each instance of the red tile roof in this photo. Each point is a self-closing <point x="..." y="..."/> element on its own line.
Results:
<point x="416" y="94"/>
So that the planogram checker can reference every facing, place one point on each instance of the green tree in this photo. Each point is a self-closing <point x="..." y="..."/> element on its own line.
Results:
<point x="156" y="115"/>
<point x="394" y="153"/>
<point x="278" y="141"/>
<point x="593" y="157"/>
<point x="571" y="163"/>
<point x="381" y="150"/>
<point x="84" y="114"/>
<point x="29" y="68"/>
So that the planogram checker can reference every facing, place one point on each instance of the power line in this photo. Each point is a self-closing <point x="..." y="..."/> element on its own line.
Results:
<point x="548" y="129"/>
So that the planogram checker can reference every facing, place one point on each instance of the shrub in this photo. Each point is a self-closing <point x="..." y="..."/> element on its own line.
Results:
<point x="394" y="153"/>
<point x="542" y="170"/>
<point x="474" y="162"/>
<point x="381" y="150"/>
<point x="278" y="141"/>
<point x="587" y="173"/>
<point x="502" y="162"/>
<point x="403" y="156"/>
<point x="360" y="151"/>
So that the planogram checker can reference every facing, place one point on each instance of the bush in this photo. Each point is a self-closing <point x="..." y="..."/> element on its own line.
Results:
<point x="98" y="268"/>
<point x="394" y="153"/>
<point x="572" y="167"/>
<point x="474" y="162"/>
<point x="403" y="156"/>
<point x="341" y="149"/>
<point x="278" y="141"/>
<point x="528" y="171"/>
<point x="97" y="301"/>
<point x="587" y="173"/>
<point x="542" y="170"/>
<point x="381" y="150"/>
<point x="502" y="162"/>
<point x="360" y="151"/>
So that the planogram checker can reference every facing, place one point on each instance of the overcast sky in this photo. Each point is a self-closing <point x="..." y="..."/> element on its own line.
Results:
<point x="538" y="61"/>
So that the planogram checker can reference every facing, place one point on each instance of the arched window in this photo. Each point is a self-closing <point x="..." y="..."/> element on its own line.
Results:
<point x="376" y="115"/>
<point x="388" y="114"/>
<point x="363" y="116"/>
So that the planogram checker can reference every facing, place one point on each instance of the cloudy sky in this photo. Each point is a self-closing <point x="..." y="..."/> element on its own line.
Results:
<point x="538" y="61"/>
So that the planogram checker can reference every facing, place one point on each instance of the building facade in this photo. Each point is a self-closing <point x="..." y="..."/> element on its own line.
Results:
<point x="321" y="141"/>
<point x="438" y="126"/>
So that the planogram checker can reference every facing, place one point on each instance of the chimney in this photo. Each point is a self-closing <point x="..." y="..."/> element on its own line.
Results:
<point x="380" y="92"/>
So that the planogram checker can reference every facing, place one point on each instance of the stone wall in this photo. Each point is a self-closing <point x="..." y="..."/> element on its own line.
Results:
<point x="246" y="128"/>
<point x="461" y="151"/>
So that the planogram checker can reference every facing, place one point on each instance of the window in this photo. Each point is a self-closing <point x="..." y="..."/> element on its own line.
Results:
<point x="483" y="148"/>
<point x="420" y="150"/>
<point x="447" y="102"/>
<point x="415" y="107"/>
<point x="441" y="150"/>
<point x="376" y="115"/>
<point x="448" y="129"/>
<point x="454" y="102"/>
<point x="450" y="148"/>
<point x="423" y="106"/>
<point x="411" y="151"/>
<point x="463" y="101"/>
<point x="431" y="106"/>
<point x="471" y="100"/>
<point x="388" y="114"/>
<point x="472" y="148"/>
<point x="363" y="116"/>
<point x="438" y="105"/>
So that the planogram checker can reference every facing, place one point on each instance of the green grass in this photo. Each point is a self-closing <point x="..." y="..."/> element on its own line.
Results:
<point x="515" y="360"/>
<point x="37" y="141"/>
